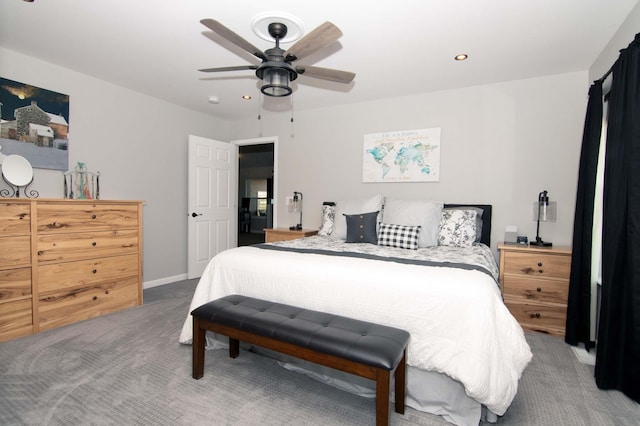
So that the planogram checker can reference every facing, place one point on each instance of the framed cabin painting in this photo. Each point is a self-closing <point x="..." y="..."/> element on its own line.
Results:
<point x="34" y="123"/>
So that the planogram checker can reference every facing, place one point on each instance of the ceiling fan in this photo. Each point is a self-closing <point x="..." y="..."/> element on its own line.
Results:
<point x="276" y="69"/>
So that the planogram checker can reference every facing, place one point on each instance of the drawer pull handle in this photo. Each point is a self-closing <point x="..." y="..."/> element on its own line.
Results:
<point x="94" y="271"/>
<point x="535" y="315"/>
<point x="40" y="252"/>
<point x="539" y="263"/>
<point x="538" y="289"/>
<point x="93" y="216"/>
<point x="94" y="244"/>
<point x="95" y="297"/>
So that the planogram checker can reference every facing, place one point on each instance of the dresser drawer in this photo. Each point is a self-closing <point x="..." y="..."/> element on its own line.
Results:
<point x="15" y="251"/>
<point x="79" y="304"/>
<point x="14" y="218"/>
<point x="82" y="273"/>
<point x="537" y="264"/>
<point x="16" y="319"/>
<point x="535" y="290"/>
<point x="85" y="217"/>
<point x="15" y="283"/>
<point x="545" y="318"/>
<point x="85" y="245"/>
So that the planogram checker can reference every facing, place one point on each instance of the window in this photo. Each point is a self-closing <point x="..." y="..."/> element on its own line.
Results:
<point x="256" y="190"/>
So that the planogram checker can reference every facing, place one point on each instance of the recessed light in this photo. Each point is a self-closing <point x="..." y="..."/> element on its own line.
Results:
<point x="246" y="97"/>
<point x="461" y="57"/>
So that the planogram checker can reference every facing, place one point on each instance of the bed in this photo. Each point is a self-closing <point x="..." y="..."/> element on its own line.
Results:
<point x="430" y="271"/>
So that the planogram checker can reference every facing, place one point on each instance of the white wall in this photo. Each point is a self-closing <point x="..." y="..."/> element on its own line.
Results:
<point x="139" y="145"/>
<point x="621" y="39"/>
<point x="501" y="144"/>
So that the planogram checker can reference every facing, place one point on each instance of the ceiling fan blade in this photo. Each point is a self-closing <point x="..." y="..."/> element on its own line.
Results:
<point x="338" y="76"/>
<point x="234" y="38"/>
<point x="322" y="36"/>
<point x="238" y="68"/>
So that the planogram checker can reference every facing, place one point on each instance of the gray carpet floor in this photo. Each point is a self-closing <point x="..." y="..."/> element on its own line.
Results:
<point x="127" y="368"/>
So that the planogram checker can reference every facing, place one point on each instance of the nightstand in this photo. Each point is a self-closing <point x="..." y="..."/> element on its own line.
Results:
<point x="282" y="234"/>
<point x="535" y="285"/>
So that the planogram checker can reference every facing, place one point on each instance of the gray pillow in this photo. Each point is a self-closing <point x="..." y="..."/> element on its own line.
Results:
<point x="425" y="213"/>
<point x="361" y="228"/>
<point x="344" y="207"/>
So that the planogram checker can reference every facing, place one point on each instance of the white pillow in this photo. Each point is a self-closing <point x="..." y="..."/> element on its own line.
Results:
<point x="425" y="213"/>
<point x="343" y="207"/>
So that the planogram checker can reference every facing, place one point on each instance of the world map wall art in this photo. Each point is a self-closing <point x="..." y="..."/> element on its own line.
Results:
<point x="402" y="156"/>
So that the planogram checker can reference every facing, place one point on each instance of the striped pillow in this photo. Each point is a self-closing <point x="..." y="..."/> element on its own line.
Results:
<point x="400" y="236"/>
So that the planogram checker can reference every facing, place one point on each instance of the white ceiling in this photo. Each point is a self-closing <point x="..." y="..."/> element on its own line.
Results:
<point x="395" y="48"/>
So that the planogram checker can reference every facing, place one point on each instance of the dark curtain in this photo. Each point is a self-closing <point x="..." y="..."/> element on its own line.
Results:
<point x="579" y="306"/>
<point x="618" y="348"/>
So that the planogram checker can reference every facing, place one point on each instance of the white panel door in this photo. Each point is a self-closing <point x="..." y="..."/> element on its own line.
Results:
<point x="212" y="201"/>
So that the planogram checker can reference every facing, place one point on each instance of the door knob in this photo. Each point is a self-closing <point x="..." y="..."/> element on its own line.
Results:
<point x="194" y="214"/>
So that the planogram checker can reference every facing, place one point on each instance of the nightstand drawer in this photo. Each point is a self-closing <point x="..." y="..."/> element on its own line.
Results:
<point x="534" y="290"/>
<point x="537" y="264"/>
<point x="545" y="318"/>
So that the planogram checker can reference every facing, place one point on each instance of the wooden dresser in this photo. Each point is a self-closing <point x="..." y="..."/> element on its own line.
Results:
<point x="283" y="234"/>
<point x="16" y="303"/>
<point x="535" y="285"/>
<point x="63" y="261"/>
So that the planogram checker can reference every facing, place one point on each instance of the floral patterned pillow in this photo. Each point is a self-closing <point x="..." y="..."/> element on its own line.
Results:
<point x="457" y="228"/>
<point x="328" y="215"/>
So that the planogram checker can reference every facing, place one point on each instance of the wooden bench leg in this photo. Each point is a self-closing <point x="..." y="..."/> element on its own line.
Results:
<point x="198" y="349"/>
<point x="382" y="397"/>
<point x="234" y="348"/>
<point x="400" y="377"/>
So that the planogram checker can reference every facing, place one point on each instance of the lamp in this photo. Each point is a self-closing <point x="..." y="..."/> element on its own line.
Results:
<point x="276" y="82"/>
<point x="296" y="207"/>
<point x="543" y="211"/>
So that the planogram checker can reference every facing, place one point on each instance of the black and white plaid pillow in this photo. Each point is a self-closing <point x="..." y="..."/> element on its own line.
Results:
<point x="400" y="236"/>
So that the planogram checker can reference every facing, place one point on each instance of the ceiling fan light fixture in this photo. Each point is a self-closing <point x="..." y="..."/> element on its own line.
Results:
<point x="461" y="57"/>
<point x="276" y="82"/>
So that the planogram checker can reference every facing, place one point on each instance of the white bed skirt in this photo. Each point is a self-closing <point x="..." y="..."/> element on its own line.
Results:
<point x="427" y="391"/>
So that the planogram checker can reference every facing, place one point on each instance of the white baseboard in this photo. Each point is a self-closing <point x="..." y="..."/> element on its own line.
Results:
<point x="583" y="356"/>
<point x="163" y="281"/>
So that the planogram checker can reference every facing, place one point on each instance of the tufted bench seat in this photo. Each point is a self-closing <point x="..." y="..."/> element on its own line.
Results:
<point x="357" y="347"/>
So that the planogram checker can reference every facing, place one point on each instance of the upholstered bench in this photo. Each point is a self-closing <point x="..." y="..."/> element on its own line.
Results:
<point x="358" y="347"/>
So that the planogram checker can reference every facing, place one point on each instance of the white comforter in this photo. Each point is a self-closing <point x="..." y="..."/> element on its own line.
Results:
<point x="458" y="323"/>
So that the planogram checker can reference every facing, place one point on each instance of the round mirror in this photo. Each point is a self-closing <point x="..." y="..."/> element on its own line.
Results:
<point x="17" y="170"/>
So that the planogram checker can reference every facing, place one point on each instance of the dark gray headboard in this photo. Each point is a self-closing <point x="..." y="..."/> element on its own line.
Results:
<point x="485" y="237"/>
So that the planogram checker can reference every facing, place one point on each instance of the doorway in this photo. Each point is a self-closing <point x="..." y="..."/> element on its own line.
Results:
<point x="256" y="169"/>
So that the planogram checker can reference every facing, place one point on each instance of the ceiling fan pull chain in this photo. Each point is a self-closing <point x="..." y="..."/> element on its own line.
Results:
<point x="259" y="105"/>
<point x="292" y="108"/>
